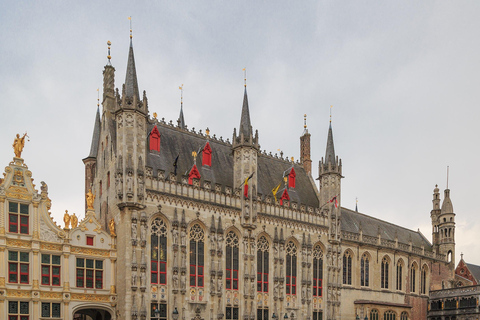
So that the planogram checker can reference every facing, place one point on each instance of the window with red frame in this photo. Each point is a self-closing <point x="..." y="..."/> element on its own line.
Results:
<point x="197" y="238"/>
<point x="291" y="178"/>
<point x="194" y="174"/>
<point x="291" y="287"/>
<point x="18" y="267"/>
<point x="154" y="139"/>
<point x="284" y="196"/>
<point x="18" y="310"/>
<point x="89" y="240"/>
<point x="231" y="277"/>
<point x="207" y="155"/>
<point x="262" y="264"/>
<point x="317" y="271"/>
<point x="159" y="252"/>
<point x="89" y="273"/>
<point x="18" y="217"/>
<point x="50" y="270"/>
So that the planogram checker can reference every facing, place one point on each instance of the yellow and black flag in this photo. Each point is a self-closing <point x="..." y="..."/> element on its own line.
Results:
<point x="245" y="187"/>
<point x="275" y="190"/>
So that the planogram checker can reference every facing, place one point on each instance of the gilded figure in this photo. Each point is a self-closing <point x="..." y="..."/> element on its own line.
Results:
<point x="18" y="145"/>
<point x="90" y="199"/>
<point x="111" y="226"/>
<point x="74" y="220"/>
<point x="66" y="219"/>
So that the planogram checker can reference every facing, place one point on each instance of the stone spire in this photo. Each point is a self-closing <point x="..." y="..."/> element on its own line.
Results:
<point x="245" y="125"/>
<point x="96" y="136"/>
<point x="131" y="84"/>
<point x="447" y="206"/>
<point x="330" y="152"/>
<point x="181" y="119"/>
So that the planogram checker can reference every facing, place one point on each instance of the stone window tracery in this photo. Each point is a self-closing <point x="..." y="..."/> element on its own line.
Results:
<point x="317" y="271"/>
<point x="262" y="264"/>
<point x="374" y="314"/>
<point x="291" y="275"/>
<point x="158" y="256"/>
<point x="232" y="263"/>
<point x="389" y="315"/>
<point x="364" y="270"/>
<point x="404" y="316"/>
<point x="413" y="270"/>
<point x="347" y="268"/>
<point x="384" y="273"/>
<point x="399" y="274"/>
<point x="423" y="280"/>
<point x="197" y="254"/>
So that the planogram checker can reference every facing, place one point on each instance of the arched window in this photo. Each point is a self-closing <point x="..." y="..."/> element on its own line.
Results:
<point x="347" y="268"/>
<point x="207" y="155"/>
<point x="291" y="250"/>
<point x="389" y="315"/>
<point x="404" y="316"/>
<point x="384" y="273"/>
<point x="154" y="139"/>
<point x="317" y="271"/>
<point x="197" y="252"/>
<point x="364" y="271"/>
<point x="231" y="276"/>
<point x="291" y="178"/>
<point x="413" y="278"/>
<point x="262" y="264"/>
<point x="374" y="314"/>
<point x="158" y="259"/>
<point x="399" y="274"/>
<point x="423" y="280"/>
<point x="449" y="256"/>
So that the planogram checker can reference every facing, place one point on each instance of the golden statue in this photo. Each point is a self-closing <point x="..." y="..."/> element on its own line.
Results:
<point x="18" y="145"/>
<point x="90" y="199"/>
<point x="66" y="219"/>
<point x="111" y="226"/>
<point x="74" y="220"/>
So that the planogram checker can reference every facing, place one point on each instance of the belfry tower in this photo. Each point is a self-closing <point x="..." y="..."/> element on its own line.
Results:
<point x="330" y="175"/>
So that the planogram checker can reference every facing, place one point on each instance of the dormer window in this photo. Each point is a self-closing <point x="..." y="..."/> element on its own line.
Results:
<point x="207" y="155"/>
<point x="154" y="139"/>
<point x="291" y="178"/>
<point x="194" y="174"/>
<point x="284" y="196"/>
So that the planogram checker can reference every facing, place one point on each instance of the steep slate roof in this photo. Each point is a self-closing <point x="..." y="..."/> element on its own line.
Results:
<point x="131" y="84"/>
<point x="475" y="270"/>
<point x="174" y="141"/>
<point x="95" y="136"/>
<point x="352" y="220"/>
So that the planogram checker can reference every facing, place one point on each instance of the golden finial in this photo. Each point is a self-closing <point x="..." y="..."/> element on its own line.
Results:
<point x="98" y="97"/>
<point x="293" y="160"/>
<point x="194" y="155"/>
<point x="207" y="132"/>
<point x="130" y="18"/>
<point x="245" y="76"/>
<point x="305" y="121"/>
<point x="155" y="115"/>
<point x="109" y="56"/>
<point x="331" y="114"/>
<point x="181" y="94"/>
<point x="285" y="179"/>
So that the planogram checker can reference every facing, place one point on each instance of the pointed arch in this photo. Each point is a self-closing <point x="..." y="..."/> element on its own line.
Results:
<point x="196" y="234"/>
<point x="232" y="241"/>
<point x="413" y="276"/>
<point x="365" y="269"/>
<point x="291" y="251"/>
<point x="158" y="250"/>
<point x="424" y="279"/>
<point x="399" y="274"/>
<point x="263" y="262"/>
<point x="347" y="266"/>
<point x="318" y="270"/>
<point x="385" y="272"/>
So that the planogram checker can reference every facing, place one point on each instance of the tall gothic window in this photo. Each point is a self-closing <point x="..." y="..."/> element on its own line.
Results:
<point x="384" y="273"/>
<point x="399" y="274"/>
<point x="159" y="252"/>
<point x="262" y="264"/>
<point x="364" y="270"/>
<point x="347" y="268"/>
<point x="413" y="270"/>
<point x="404" y="316"/>
<point x="374" y="314"/>
<point x="197" y="252"/>
<point x="317" y="271"/>
<point x="423" y="280"/>
<point x="291" y="250"/>
<point x="389" y="315"/>
<point x="232" y="261"/>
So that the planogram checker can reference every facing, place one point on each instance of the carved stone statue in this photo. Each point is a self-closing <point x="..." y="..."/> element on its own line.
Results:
<point x="175" y="236"/>
<point x="74" y="220"/>
<point x="183" y="235"/>
<point x="18" y="145"/>
<point x="142" y="279"/>
<point x="134" y="231"/>
<point x="140" y="187"/>
<point x="90" y="198"/>
<point x="212" y="284"/>
<point x="44" y="187"/>
<point x="111" y="226"/>
<point x="66" y="219"/>
<point x="219" y="285"/>
<point x="175" y="280"/>
<point x="212" y="241"/>
<point x="143" y="232"/>
<point x="130" y="182"/>
<point x="182" y="282"/>
<point x="275" y="289"/>
<point x="219" y="242"/>
<point x="134" y="279"/>
<point x="119" y="184"/>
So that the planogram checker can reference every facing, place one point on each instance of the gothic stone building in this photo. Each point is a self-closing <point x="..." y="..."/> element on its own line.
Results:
<point x="47" y="272"/>
<point x="212" y="236"/>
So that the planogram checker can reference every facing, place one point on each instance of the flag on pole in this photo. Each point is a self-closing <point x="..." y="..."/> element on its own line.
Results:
<point x="175" y="165"/>
<point x="336" y="201"/>
<point x="275" y="190"/>
<point x="245" y="187"/>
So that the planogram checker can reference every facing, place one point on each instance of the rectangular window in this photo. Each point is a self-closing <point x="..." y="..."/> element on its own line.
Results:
<point x="158" y="311"/>
<point x="89" y="240"/>
<point x="317" y="315"/>
<point x="231" y="313"/>
<point x="18" y="310"/>
<point x="89" y="273"/>
<point x="18" y="267"/>
<point x="262" y="314"/>
<point x="50" y="270"/>
<point x="18" y="218"/>
<point x="50" y="310"/>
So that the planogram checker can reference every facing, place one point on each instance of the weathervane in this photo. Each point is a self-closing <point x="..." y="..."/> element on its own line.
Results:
<point x="331" y="114"/>
<point x="109" y="56"/>
<point x="130" y="18"/>
<point x="245" y="76"/>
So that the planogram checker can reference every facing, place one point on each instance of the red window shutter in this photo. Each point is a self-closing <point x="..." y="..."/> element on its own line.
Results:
<point x="89" y="241"/>
<point x="194" y="174"/>
<point x="291" y="178"/>
<point x="285" y="196"/>
<point x="155" y="139"/>
<point x="207" y="155"/>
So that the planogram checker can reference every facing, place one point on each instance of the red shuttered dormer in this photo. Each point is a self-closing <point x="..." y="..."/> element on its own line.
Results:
<point x="194" y="174"/>
<point x="284" y="196"/>
<point x="207" y="155"/>
<point x="291" y="178"/>
<point x="155" y="140"/>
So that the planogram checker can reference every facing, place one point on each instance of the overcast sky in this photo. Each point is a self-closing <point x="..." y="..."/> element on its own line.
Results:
<point x="402" y="76"/>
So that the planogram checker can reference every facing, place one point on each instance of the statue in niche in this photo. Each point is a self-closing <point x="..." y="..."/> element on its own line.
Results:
<point x="183" y="259"/>
<point x="304" y="295"/>
<point x="219" y="241"/>
<point x="119" y="184"/>
<point x="182" y="282"/>
<point x="140" y="187"/>
<point x="143" y="232"/>
<point x="142" y="279"/>
<point x="134" y="279"/>
<point x="175" y="235"/>
<point x="252" y="287"/>
<point x="175" y="280"/>
<point x="183" y="235"/>
<point x="134" y="231"/>
<point x="212" y="241"/>
<point x="130" y="182"/>
<point x="111" y="226"/>
<point x="275" y="289"/>
<point x="247" y="211"/>
<point x="212" y="284"/>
